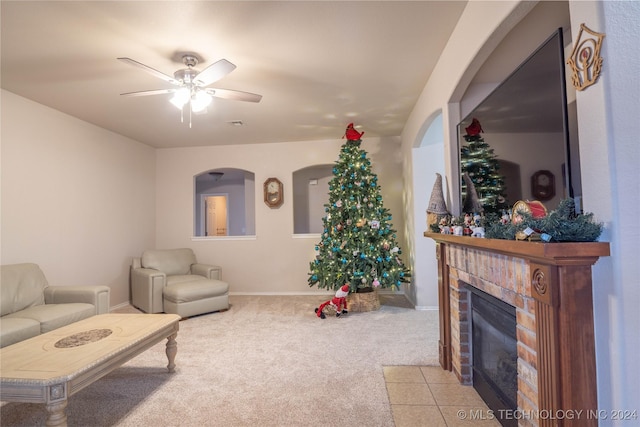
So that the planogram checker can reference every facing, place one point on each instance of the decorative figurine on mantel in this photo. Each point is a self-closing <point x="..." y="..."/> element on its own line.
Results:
<point x="437" y="208"/>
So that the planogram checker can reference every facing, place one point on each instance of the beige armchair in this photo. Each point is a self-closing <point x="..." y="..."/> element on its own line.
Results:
<point x="172" y="281"/>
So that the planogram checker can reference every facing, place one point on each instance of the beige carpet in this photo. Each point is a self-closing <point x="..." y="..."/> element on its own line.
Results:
<point x="267" y="361"/>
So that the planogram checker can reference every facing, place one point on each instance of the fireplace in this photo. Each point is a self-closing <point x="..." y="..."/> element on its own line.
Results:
<point x="550" y="287"/>
<point x="494" y="354"/>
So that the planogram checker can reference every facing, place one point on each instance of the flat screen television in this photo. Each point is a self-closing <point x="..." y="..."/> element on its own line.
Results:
<point x="531" y="129"/>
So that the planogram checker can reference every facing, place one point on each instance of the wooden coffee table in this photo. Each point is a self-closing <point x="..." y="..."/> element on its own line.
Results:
<point x="54" y="366"/>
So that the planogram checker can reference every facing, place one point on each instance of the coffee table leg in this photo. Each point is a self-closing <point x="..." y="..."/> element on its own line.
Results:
<point x="56" y="414"/>
<point x="172" y="349"/>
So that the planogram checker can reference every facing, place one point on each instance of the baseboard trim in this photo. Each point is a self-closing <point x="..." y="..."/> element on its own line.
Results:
<point x="119" y="306"/>
<point x="293" y="293"/>
<point x="427" y="307"/>
<point x="287" y="293"/>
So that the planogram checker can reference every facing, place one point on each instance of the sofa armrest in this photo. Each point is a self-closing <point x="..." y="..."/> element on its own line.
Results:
<point x="98" y="296"/>
<point x="208" y="271"/>
<point x="147" y="285"/>
<point x="136" y="263"/>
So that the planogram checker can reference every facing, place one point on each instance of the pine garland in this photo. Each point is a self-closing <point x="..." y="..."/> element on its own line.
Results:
<point x="559" y="225"/>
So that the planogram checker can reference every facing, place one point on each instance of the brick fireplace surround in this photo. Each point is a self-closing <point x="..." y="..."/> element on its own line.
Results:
<point x="550" y="286"/>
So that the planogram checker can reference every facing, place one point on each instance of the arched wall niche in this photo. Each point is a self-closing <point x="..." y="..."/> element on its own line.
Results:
<point x="310" y="194"/>
<point x="224" y="203"/>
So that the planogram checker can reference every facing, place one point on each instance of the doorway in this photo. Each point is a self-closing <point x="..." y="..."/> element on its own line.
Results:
<point x="215" y="214"/>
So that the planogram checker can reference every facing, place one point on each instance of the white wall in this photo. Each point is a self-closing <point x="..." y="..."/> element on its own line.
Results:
<point x="609" y="156"/>
<point x="274" y="261"/>
<point x="76" y="199"/>
<point x="428" y="159"/>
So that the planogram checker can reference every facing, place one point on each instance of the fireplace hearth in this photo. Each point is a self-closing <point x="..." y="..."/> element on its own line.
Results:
<point x="494" y="354"/>
<point x="550" y="287"/>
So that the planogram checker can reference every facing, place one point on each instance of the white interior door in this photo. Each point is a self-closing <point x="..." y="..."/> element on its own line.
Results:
<point x="216" y="215"/>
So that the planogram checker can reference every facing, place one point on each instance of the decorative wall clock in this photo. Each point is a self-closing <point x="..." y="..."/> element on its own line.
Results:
<point x="543" y="185"/>
<point x="273" y="194"/>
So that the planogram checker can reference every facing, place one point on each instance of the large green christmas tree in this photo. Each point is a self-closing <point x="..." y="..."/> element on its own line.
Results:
<point x="481" y="164"/>
<point x="358" y="244"/>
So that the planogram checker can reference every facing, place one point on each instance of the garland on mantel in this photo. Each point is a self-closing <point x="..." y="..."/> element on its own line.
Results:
<point x="559" y="225"/>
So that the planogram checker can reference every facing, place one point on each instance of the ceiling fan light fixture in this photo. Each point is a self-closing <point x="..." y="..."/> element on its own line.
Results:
<point x="216" y="175"/>
<point x="200" y="101"/>
<point x="180" y="97"/>
<point x="193" y="85"/>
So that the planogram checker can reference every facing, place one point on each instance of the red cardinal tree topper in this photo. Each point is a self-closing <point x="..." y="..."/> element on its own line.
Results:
<point x="474" y="128"/>
<point x="352" y="134"/>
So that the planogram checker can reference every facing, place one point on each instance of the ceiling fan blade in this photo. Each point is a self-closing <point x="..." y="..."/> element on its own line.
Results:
<point x="236" y="95"/>
<point x="150" y="70"/>
<point x="149" y="92"/>
<point x="214" y="72"/>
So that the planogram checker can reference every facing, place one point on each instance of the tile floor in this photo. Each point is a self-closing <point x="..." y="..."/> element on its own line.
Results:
<point x="431" y="397"/>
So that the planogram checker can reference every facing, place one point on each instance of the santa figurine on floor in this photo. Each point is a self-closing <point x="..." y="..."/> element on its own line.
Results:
<point x="338" y="302"/>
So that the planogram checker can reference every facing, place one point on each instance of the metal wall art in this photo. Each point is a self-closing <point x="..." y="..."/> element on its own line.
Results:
<point x="585" y="60"/>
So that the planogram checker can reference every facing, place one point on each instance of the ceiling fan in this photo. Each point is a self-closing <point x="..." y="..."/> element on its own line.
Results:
<point x="191" y="84"/>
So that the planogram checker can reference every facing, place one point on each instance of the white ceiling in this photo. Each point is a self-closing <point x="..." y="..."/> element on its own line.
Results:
<point x="318" y="64"/>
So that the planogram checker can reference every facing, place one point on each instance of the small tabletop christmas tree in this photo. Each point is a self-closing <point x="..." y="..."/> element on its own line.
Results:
<point x="358" y="245"/>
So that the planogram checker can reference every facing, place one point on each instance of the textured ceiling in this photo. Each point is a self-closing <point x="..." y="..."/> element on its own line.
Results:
<point x="318" y="64"/>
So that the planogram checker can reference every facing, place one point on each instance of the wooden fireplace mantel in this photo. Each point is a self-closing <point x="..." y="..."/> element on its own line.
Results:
<point x="586" y="253"/>
<point x="561" y="285"/>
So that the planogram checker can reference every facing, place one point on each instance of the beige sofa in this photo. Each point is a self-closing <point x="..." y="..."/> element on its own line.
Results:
<point x="30" y="307"/>
<point x="172" y="281"/>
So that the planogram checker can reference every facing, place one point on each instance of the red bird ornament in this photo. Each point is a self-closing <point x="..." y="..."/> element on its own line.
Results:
<point x="474" y="128"/>
<point x="352" y="134"/>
